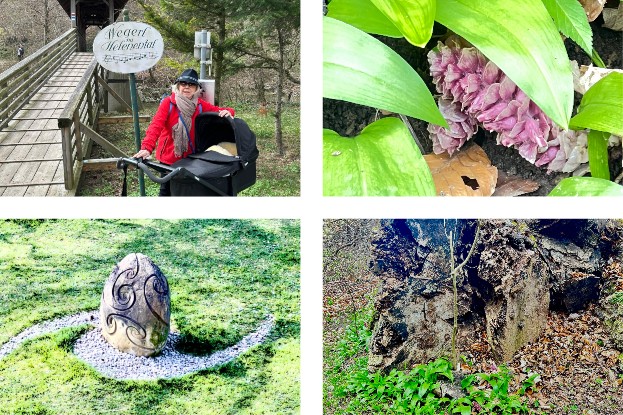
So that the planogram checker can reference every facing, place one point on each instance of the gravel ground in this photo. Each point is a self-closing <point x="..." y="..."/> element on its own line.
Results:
<point x="48" y="327"/>
<point x="94" y="350"/>
<point x="170" y="363"/>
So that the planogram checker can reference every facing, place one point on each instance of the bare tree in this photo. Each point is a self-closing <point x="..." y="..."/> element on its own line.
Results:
<point x="44" y="21"/>
<point x="346" y="246"/>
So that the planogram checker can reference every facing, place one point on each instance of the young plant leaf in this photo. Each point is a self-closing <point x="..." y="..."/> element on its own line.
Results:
<point x="521" y="38"/>
<point x="586" y="186"/>
<point x="360" y="69"/>
<point x="598" y="154"/>
<point x="597" y="59"/>
<point x="381" y="161"/>
<point x="364" y="16"/>
<point x="572" y="22"/>
<point x="601" y="107"/>
<point x="414" y="18"/>
<point x="462" y="409"/>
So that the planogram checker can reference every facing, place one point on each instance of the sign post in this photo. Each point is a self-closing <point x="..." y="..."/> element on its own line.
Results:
<point x="137" y="127"/>
<point x="129" y="47"/>
<point x="203" y="52"/>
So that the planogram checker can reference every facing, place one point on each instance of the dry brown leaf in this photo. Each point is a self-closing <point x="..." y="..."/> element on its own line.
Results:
<point x="613" y="18"/>
<point x="513" y="185"/>
<point x="592" y="8"/>
<point x="585" y="77"/>
<point x="467" y="173"/>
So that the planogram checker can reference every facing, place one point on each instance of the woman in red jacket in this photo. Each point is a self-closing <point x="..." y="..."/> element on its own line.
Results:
<point x="173" y="127"/>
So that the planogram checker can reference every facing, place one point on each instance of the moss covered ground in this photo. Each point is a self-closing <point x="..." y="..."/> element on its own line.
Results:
<point x="225" y="278"/>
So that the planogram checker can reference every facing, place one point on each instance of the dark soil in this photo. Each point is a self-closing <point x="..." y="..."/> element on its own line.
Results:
<point x="608" y="43"/>
<point x="349" y="119"/>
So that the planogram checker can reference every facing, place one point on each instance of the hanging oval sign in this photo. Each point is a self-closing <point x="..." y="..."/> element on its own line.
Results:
<point x="128" y="47"/>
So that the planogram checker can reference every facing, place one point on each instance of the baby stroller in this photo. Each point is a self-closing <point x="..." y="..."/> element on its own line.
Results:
<point x="223" y="163"/>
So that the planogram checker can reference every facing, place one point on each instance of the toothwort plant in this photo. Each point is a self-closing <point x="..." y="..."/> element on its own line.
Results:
<point x="474" y="91"/>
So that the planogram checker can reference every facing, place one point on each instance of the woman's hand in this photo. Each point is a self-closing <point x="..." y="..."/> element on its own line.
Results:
<point x="143" y="154"/>
<point x="225" y="113"/>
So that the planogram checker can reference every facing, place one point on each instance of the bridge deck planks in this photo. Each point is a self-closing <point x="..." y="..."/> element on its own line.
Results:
<point x="33" y="134"/>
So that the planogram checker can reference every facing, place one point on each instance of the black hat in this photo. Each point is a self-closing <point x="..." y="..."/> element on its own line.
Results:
<point x="189" y="76"/>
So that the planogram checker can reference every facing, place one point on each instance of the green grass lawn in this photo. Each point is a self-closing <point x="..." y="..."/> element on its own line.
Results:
<point x="276" y="175"/>
<point x="225" y="277"/>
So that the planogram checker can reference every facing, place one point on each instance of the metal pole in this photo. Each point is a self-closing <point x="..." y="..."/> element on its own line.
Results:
<point x="204" y="44"/>
<point x="137" y="127"/>
<point x="73" y="13"/>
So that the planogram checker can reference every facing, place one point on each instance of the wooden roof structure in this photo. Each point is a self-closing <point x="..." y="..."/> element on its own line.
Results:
<point x="91" y="13"/>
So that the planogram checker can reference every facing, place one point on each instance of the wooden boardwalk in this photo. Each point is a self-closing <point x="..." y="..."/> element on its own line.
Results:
<point x="31" y="158"/>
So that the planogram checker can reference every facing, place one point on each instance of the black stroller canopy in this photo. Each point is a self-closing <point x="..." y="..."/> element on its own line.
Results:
<point x="207" y="173"/>
<point x="210" y="129"/>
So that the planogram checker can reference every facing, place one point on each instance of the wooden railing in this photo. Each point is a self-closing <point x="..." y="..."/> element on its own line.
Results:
<point x="21" y="81"/>
<point x="77" y="120"/>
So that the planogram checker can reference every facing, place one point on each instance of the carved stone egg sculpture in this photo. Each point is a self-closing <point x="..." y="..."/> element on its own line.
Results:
<point x="135" y="311"/>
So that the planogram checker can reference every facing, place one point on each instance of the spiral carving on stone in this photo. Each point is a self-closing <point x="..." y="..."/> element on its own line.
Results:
<point x="123" y="296"/>
<point x="135" y="308"/>
<point x="156" y="293"/>
<point x="134" y="332"/>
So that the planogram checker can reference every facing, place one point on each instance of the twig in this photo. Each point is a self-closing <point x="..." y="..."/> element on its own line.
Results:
<point x="410" y="128"/>
<point x="455" y="309"/>
<point x="339" y="248"/>
<point x="471" y="250"/>
<point x="454" y="271"/>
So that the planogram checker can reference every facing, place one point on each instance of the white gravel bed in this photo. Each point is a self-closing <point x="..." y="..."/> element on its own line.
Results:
<point x="170" y="363"/>
<point x="94" y="350"/>
<point x="48" y="327"/>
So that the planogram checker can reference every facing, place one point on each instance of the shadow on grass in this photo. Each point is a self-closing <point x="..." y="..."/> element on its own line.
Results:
<point x="197" y="346"/>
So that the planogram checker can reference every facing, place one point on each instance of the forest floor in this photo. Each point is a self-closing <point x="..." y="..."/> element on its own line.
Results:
<point x="580" y="370"/>
<point x="6" y="64"/>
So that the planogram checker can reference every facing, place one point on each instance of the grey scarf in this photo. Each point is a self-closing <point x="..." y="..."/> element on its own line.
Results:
<point x="187" y="109"/>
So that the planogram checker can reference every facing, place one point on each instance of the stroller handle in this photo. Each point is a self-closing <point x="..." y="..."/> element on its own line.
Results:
<point x="156" y="179"/>
<point x="138" y="163"/>
<point x="124" y="162"/>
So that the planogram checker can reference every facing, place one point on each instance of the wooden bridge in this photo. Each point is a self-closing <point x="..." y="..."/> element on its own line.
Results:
<point x="49" y="106"/>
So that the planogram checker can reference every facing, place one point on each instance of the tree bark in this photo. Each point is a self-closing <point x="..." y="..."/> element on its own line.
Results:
<point x="278" y="106"/>
<point x="46" y="22"/>
<point x="520" y="270"/>
<point x="218" y="57"/>
<point x="260" y="86"/>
